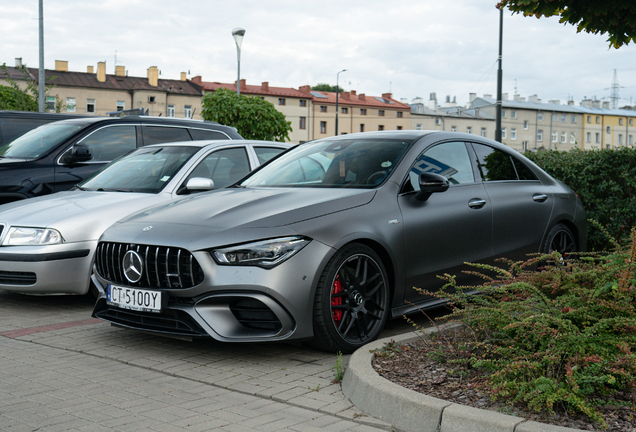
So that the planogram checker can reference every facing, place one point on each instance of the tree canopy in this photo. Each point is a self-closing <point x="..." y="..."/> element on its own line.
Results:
<point x="326" y="87"/>
<point x="253" y="117"/>
<point x="616" y="18"/>
<point x="13" y="98"/>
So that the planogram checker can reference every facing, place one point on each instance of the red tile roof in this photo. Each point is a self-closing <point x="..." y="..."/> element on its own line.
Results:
<point x="260" y="90"/>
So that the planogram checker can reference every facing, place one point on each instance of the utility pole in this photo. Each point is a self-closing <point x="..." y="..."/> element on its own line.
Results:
<point x="499" y="79"/>
<point x="41" y="94"/>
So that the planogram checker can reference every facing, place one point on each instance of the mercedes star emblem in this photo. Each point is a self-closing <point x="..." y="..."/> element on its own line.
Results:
<point x="133" y="266"/>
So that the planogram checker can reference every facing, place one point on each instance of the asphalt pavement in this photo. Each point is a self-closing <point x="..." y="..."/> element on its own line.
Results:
<point x="61" y="370"/>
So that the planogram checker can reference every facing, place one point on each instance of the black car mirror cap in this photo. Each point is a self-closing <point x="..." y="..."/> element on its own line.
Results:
<point x="431" y="183"/>
<point x="79" y="153"/>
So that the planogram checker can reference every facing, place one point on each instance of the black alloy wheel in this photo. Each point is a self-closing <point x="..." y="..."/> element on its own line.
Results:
<point x="352" y="300"/>
<point x="561" y="240"/>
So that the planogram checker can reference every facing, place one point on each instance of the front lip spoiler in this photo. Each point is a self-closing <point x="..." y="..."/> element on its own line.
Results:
<point x="54" y="256"/>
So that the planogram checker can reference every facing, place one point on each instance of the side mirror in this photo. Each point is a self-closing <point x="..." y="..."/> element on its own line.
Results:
<point x="429" y="184"/>
<point x="79" y="153"/>
<point x="199" y="184"/>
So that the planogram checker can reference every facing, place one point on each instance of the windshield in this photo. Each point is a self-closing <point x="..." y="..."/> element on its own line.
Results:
<point x="358" y="163"/>
<point x="39" y="141"/>
<point x="145" y="170"/>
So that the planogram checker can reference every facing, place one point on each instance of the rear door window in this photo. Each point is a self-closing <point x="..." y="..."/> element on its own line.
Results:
<point x="495" y="165"/>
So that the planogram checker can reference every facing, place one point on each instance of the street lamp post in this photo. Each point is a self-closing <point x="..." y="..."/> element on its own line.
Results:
<point x="238" y="34"/>
<point x="337" y="93"/>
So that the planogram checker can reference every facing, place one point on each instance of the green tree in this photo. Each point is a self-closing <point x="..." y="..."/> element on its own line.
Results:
<point x="13" y="98"/>
<point x="616" y="18"/>
<point x="326" y="88"/>
<point x="253" y="117"/>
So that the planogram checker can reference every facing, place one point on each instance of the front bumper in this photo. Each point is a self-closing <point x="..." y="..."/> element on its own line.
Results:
<point x="50" y="269"/>
<point x="233" y="304"/>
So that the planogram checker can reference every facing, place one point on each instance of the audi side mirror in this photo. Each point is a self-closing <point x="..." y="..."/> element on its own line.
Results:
<point x="431" y="183"/>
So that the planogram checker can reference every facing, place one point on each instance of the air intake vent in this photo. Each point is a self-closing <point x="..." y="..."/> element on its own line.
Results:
<point x="163" y="267"/>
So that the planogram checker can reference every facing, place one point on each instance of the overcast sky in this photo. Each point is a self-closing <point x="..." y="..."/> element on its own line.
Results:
<point x="408" y="47"/>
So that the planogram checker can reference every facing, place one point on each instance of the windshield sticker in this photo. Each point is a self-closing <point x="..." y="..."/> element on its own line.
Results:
<point x="165" y="178"/>
<point x="386" y="164"/>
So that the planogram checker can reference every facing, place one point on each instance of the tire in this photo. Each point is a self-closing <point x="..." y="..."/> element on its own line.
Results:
<point x="352" y="300"/>
<point x="560" y="239"/>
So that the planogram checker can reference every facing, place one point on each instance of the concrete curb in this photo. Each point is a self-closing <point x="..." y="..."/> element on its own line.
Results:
<point x="410" y="411"/>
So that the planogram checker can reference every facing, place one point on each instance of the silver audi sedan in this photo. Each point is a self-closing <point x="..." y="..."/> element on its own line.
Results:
<point x="47" y="244"/>
<point x="327" y="241"/>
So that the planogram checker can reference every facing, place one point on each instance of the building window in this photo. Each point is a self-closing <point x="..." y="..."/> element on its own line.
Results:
<point x="453" y="128"/>
<point x="438" y="121"/>
<point x="70" y="104"/>
<point x="323" y="127"/>
<point x="323" y="108"/>
<point x="631" y="122"/>
<point x="503" y="113"/>
<point x="573" y="119"/>
<point x="525" y="125"/>
<point x="598" y="138"/>
<point x="187" y="111"/>
<point x="608" y="129"/>
<point x="620" y="122"/>
<point x="90" y="105"/>
<point x="381" y="127"/>
<point x="524" y="145"/>
<point x="362" y="127"/>
<point x="630" y="140"/>
<point x="555" y="117"/>
<point x="540" y="116"/>
<point x="50" y="103"/>
<point x="170" y="112"/>
<point x="563" y="116"/>
<point x="564" y="137"/>
<point x="303" y="123"/>
<point x="513" y="133"/>
<point x="302" y="103"/>
<point x="513" y="114"/>
<point x="399" y="128"/>
<point x="363" y="111"/>
<point x="121" y="105"/>
<point x="598" y="120"/>
<point x="281" y="101"/>
<point x="381" y="113"/>
<point x="152" y="99"/>
<point x="399" y="114"/>
<point x="345" y="110"/>
<point x="418" y="126"/>
<point x="503" y="133"/>
<point x="469" y="129"/>
<point x="554" y="137"/>
<point x="588" y="137"/>
<point x="572" y="139"/>
<point x="620" y="139"/>
<point x="483" y="132"/>
<point x="540" y="135"/>
<point x="589" y="119"/>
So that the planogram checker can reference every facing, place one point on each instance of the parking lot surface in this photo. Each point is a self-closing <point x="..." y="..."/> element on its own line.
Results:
<point x="61" y="370"/>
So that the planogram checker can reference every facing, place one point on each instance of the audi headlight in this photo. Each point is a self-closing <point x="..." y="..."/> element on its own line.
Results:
<point x="22" y="236"/>
<point x="266" y="253"/>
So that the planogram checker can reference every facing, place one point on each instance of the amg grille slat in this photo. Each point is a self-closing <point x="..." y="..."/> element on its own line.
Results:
<point x="172" y="267"/>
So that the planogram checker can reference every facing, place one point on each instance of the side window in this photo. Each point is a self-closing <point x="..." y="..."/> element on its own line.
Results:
<point x="266" y="153"/>
<point x="111" y="142"/>
<point x="162" y="134"/>
<point x="450" y="160"/>
<point x="495" y="165"/>
<point x="206" y="134"/>
<point x="224" y="167"/>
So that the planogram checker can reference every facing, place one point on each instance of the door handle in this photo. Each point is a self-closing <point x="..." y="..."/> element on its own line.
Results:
<point x="476" y="203"/>
<point x="539" y="197"/>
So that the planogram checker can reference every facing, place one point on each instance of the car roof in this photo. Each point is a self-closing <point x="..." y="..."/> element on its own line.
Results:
<point x="204" y="143"/>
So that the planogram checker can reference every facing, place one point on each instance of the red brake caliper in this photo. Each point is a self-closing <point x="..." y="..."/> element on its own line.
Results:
<point x="336" y="301"/>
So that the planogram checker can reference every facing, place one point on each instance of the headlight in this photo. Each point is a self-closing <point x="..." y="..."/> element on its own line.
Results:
<point x="21" y="236"/>
<point x="266" y="253"/>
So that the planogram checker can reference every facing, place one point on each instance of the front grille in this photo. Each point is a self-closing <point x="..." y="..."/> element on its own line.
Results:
<point x="17" y="278"/>
<point x="254" y="314"/>
<point x="170" y="321"/>
<point x="163" y="267"/>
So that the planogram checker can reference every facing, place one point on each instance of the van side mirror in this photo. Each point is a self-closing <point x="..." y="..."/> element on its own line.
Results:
<point x="431" y="183"/>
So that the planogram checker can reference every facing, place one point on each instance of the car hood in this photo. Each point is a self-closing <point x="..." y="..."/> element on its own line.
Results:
<point x="253" y="207"/>
<point x="78" y="215"/>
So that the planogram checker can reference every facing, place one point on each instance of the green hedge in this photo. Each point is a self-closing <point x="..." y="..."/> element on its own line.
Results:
<point x="605" y="181"/>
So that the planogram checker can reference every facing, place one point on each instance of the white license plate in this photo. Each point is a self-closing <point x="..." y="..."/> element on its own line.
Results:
<point x="133" y="298"/>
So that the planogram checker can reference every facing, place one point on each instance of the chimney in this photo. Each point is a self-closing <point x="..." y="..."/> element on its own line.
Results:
<point x="345" y="95"/>
<point x="353" y="93"/>
<point x="305" y="89"/>
<point x="153" y="76"/>
<point x="555" y="102"/>
<point x="184" y="76"/>
<point x="533" y="98"/>
<point x="101" y="71"/>
<point x="90" y="69"/>
<point x="606" y="105"/>
<point x="472" y="96"/>
<point x="596" y="103"/>
<point x="18" y="62"/>
<point x="265" y="86"/>
<point x="61" y="66"/>
<point x="387" y="95"/>
<point x="120" y="71"/>
<point x="197" y="80"/>
<point x="504" y="96"/>
<point x="432" y="102"/>
<point x="570" y="102"/>
<point x="489" y="96"/>
<point x="243" y="88"/>
<point x="362" y="97"/>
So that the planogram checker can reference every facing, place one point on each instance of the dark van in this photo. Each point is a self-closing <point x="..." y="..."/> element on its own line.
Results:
<point x="56" y="156"/>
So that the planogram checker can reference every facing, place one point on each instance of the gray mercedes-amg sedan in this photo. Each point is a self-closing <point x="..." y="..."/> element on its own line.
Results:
<point x="327" y="241"/>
